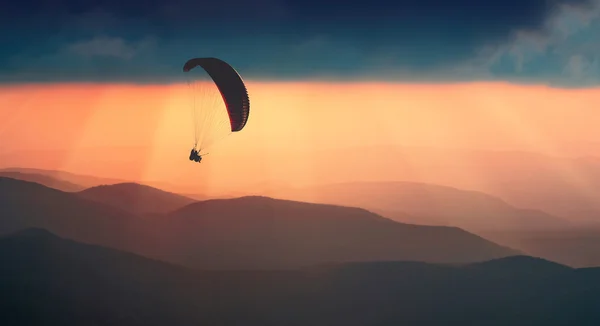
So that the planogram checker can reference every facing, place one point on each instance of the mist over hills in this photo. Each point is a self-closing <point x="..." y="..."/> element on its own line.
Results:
<point x="429" y="204"/>
<point x="407" y="202"/>
<point x="577" y="247"/>
<point x="50" y="280"/>
<point x="144" y="256"/>
<point x="84" y="181"/>
<point x="249" y="232"/>
<point x="301" y="233"/>
<point x="43" y="179"/>
<point x="563" y="186"/>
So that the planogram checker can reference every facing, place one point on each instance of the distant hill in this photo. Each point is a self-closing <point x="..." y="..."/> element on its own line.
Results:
<point x="136" y="198"/>
<point x="566" y="187"/>
<point x="84" y="181"/>
<point x="261" y="231"/>
<point x="88" y="181"/>
<point x="428" y="204"/>
<point x="249" y="232"/>
<point x="54" y="281"/>
<point x="45" y="180"/>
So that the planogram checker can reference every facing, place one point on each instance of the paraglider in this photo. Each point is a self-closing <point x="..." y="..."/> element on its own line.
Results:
<point x="195" y="156"/>
<point x="220" y="102"/>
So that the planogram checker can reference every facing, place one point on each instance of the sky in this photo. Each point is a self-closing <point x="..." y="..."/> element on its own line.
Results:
<point x="527" y="41"/>
<point x="96" y="87"/>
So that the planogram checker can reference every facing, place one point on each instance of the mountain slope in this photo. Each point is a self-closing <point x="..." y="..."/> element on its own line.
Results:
<point x="136" y="198"/>
<point x="261" y="231"/>
<point x="429" y="204"/>
<point x="54" y="281"/>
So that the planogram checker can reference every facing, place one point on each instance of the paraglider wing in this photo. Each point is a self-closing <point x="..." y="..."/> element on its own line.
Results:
<point x="230" y="85"/>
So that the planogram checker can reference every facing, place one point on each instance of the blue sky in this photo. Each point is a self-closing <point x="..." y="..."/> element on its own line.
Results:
<point x="532" y="41"/>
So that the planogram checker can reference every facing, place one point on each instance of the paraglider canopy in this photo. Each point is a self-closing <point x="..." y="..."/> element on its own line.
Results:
<point x="230" y="86"/>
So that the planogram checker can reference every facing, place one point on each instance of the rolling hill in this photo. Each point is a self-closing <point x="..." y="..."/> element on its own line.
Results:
<point x="249" y="232"/>
<point x="136" y="198"/>
<point x="262" y="231"/>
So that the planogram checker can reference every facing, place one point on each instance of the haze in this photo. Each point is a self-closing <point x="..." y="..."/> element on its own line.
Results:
<point x="430" y="162"/>
<point x="143" y="133"/>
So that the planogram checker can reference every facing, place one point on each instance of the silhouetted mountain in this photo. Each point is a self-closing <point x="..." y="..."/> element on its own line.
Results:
<point x="52" y="281"/>
<point x="429" y="205"/>
<point x="136" y="198"/>
<point x="42" y="179"/>
<point x="250" y="232"/>
<point x="259" y="231"/>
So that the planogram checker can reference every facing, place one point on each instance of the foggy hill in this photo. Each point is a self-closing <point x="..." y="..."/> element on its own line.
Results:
<point x="429" y="204"/>
<point x="566" y="187"/>
<point x="88" y="181"/>
<point x="45" y="180"/>
<point x="261" y="231"/>
<point x="50" y="280"/>
<point x="85" y="181"/>
<point x="250" y="232"/>
<point x="136" y="198"/>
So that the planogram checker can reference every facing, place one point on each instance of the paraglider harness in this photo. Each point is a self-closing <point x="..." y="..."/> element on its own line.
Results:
<point x="195" y="155"/>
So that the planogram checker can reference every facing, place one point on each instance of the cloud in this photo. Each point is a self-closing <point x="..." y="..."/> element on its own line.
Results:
<point x="549" y="41"/>
<point x="103" y="46"/>
<point x="581" y="68"/>
<point x="563" y="51"/>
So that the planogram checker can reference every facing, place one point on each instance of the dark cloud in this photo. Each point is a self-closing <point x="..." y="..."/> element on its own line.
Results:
<point x="149" y="40"/>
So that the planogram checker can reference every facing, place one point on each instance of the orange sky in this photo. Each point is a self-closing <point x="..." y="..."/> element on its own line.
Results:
<point x="143" y="132"/>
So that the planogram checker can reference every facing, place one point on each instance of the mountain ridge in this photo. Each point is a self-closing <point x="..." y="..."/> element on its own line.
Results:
<point x="251" y="232"/>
